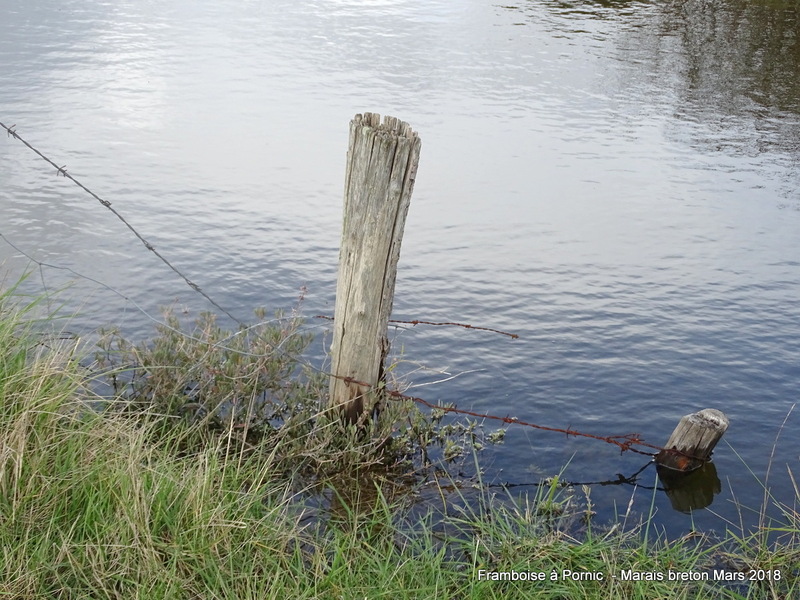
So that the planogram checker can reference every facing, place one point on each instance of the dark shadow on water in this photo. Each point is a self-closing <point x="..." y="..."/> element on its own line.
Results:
<point x="691" y="491"/>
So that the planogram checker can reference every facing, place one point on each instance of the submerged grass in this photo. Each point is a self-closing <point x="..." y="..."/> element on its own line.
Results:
<point x="149" y="499"/>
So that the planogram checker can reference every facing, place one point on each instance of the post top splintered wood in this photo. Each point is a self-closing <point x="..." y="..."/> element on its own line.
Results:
<point x="712" y="416"/>
<point x="390" y="124"/>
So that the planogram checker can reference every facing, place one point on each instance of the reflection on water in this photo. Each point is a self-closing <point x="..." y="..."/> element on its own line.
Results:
<point x="693" y="491"/>
<point x="616" y="182"/>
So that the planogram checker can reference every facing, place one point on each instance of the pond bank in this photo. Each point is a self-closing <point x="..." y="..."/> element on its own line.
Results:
<point x="114" y="505"/>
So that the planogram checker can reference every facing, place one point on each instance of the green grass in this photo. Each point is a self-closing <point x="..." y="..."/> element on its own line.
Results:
<point x="143" y="501"/>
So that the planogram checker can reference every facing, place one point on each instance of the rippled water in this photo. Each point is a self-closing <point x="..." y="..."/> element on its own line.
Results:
<point x="616" y="182"/>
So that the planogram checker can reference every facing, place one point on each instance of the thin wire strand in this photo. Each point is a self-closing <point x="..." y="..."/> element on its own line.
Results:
<point x="62" y="170"/>
<point x="156" y="320"/>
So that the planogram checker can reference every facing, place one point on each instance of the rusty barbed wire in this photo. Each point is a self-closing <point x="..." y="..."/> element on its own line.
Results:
<point x="625" y="442"/>
<point x="62" y="170"/>
<point x="513" y="336"/>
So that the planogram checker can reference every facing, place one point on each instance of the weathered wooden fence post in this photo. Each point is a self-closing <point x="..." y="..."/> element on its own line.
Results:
<point x="693" y="440"/>
<point x="382" y="161"/>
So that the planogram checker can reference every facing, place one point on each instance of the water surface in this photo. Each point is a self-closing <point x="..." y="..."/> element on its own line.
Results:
<point x="616" y="182"/>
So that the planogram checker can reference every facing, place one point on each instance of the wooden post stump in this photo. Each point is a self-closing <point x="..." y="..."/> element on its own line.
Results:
<point x="693" y="440"/>
<point x="382" y="161"/>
